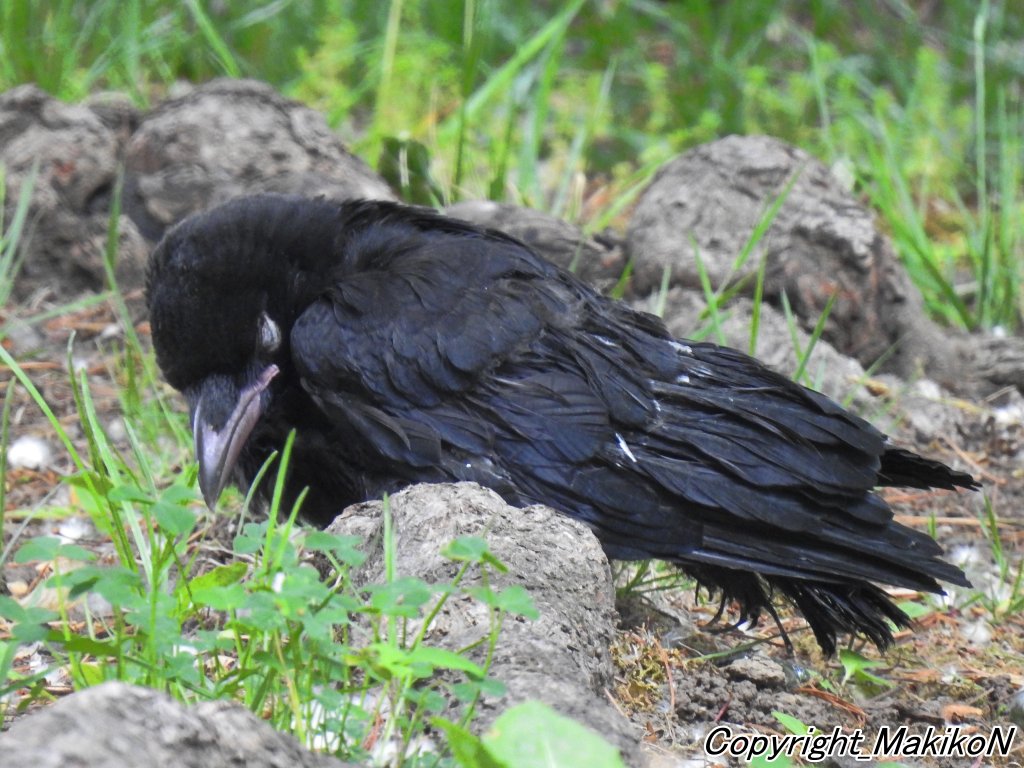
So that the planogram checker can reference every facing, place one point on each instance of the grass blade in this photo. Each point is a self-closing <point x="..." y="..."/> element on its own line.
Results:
<point x="501" y="80"/>
<point x="221" y="50"/>
<point x="11" y="254"/>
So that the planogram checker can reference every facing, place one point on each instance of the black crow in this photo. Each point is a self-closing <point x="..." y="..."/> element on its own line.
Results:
<point x="403" y="346"/>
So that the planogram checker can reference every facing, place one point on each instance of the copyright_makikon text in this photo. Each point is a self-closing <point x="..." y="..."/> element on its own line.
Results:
<point x="893" y="742"/>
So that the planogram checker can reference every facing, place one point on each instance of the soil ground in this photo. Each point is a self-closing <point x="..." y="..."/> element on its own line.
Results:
<point x="962" y="664"/>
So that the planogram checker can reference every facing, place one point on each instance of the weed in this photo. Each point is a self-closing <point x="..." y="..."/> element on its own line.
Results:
<point x="323" y="660"/>
<point x="11" y="254"/>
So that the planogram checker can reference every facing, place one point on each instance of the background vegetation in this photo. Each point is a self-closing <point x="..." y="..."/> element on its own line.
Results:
<point x="569" y="106"/>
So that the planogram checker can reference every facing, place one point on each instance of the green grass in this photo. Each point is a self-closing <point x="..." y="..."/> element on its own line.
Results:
<point x="322" y="660"/>
<point x="11" y="257"/>
<point x="514" y="101"/>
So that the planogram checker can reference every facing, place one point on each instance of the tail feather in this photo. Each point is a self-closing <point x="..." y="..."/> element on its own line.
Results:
<point x="697" y="454"/>
<point x="907" y="469"/>
<point x="830" y="608"/>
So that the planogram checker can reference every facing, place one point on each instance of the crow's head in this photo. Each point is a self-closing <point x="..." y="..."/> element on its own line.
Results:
<point x="220" y="315"/>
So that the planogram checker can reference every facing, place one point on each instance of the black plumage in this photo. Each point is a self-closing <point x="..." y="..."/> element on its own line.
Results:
<point x="403" y="346"/>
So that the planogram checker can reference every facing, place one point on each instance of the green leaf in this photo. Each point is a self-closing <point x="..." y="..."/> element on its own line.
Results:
<point x="221" y="576"/>
<point x="515" y="599"/>
<point x="915" y="610"/>
<point x="220" y="598"/>
<point x="444" y="659"/>
<point x="427" y="699"/>
<point x="48" y="548"/>
<point x="117" y="585"/>
<point x="468" y="750"/>
<point x="131" y="493"/>
<point x="28" y="621"/>
<point x="345" y="548"/>
<point x="178" y="494"/>
<point x="760" y="761"/>
<point x="533" y="735"/>
<point x="472" y="688"/>
<point x="76" y="553"/>
<point x="856" y="667"/>
<point x="174" y="519"/>
<point x="220" y="589"/>
<point x="85" y="645"/>
<point x="472" y="549"/>
<point x="91" y="673"/>
<point x="251" y="539"/>
<point x="401" y="597"/>
<point x="469" y="549"/>
<point x="790" y="723"/>
<point x="258" y="611"/>
<point x="387" y="658"/>
<point x="42" y="548"/>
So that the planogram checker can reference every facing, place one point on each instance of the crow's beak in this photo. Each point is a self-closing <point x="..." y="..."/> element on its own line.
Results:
<point x="217" y="448"/>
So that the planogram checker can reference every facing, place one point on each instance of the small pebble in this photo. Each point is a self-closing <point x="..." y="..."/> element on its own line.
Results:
<point x="116" y="430"/>
<point x="759" y="670"/>
<point x="28" y="452"/>
<point x="966" y="556"/>
<point x="24" y="338"/>
<point x="110" y="331"/>
<point x="17" y="589"/>
<point x="928" y="388"/>
<point x="32" y="659"/>
<point x="74" y="529"/>
<point x="58" y="677"/>
<point x="1008" y="415"/>
<point x="978" y="633"/>
<point x="98" y="605"/>
<point x="696" y="732"/>
<point x="844" y="173"/>
<point x="387" y="752"/>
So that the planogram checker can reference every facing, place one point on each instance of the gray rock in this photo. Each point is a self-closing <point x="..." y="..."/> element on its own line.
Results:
<point x="116" y="725"/>
<point x="994" y="362"/>
<point x="116" y="111"/>
<point x="926" y="412"/>
<point x="235" y="137"/>
<point x="822" y="242"/>
<point x="66" y="234"/>
<point x="563" y="657"/>
<point x="25" y="339"/>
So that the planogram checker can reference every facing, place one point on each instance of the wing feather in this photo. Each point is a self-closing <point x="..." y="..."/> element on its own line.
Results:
<point x="483" y="362"/>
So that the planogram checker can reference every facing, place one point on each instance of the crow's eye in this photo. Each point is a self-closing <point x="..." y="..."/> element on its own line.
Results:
<point x="269" y="334"/>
